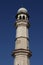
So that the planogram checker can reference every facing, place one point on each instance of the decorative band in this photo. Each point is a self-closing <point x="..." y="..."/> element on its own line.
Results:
<point x="22" y="51"/>
<point x="22" y="37"/>
<point x="17" y="23"/>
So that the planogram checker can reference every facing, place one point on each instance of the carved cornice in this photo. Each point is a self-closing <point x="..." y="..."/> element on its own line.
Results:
<point x="29" y="53"/>
<point x="22" y="23"/>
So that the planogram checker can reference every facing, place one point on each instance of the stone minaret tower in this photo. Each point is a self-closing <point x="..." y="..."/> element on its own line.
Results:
<point x="22" y="52"/>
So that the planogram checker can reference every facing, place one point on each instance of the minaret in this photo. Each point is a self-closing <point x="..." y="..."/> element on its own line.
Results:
<point x="22" y="52"/>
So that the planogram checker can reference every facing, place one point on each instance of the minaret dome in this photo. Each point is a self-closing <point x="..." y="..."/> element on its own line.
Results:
<point x="22" y="13"/>
<point x="22" y="10"/>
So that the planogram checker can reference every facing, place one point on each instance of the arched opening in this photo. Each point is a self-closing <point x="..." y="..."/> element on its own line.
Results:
<point x="23" y="17"/>
<point x="20" y="17"/>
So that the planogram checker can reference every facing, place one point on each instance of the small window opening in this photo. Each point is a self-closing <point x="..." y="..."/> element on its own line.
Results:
<point x="20" y="17"/>
<point x="23" y="17"/>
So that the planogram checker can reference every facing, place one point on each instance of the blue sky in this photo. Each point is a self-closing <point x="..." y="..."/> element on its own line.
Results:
<point x="8" y="10"/>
